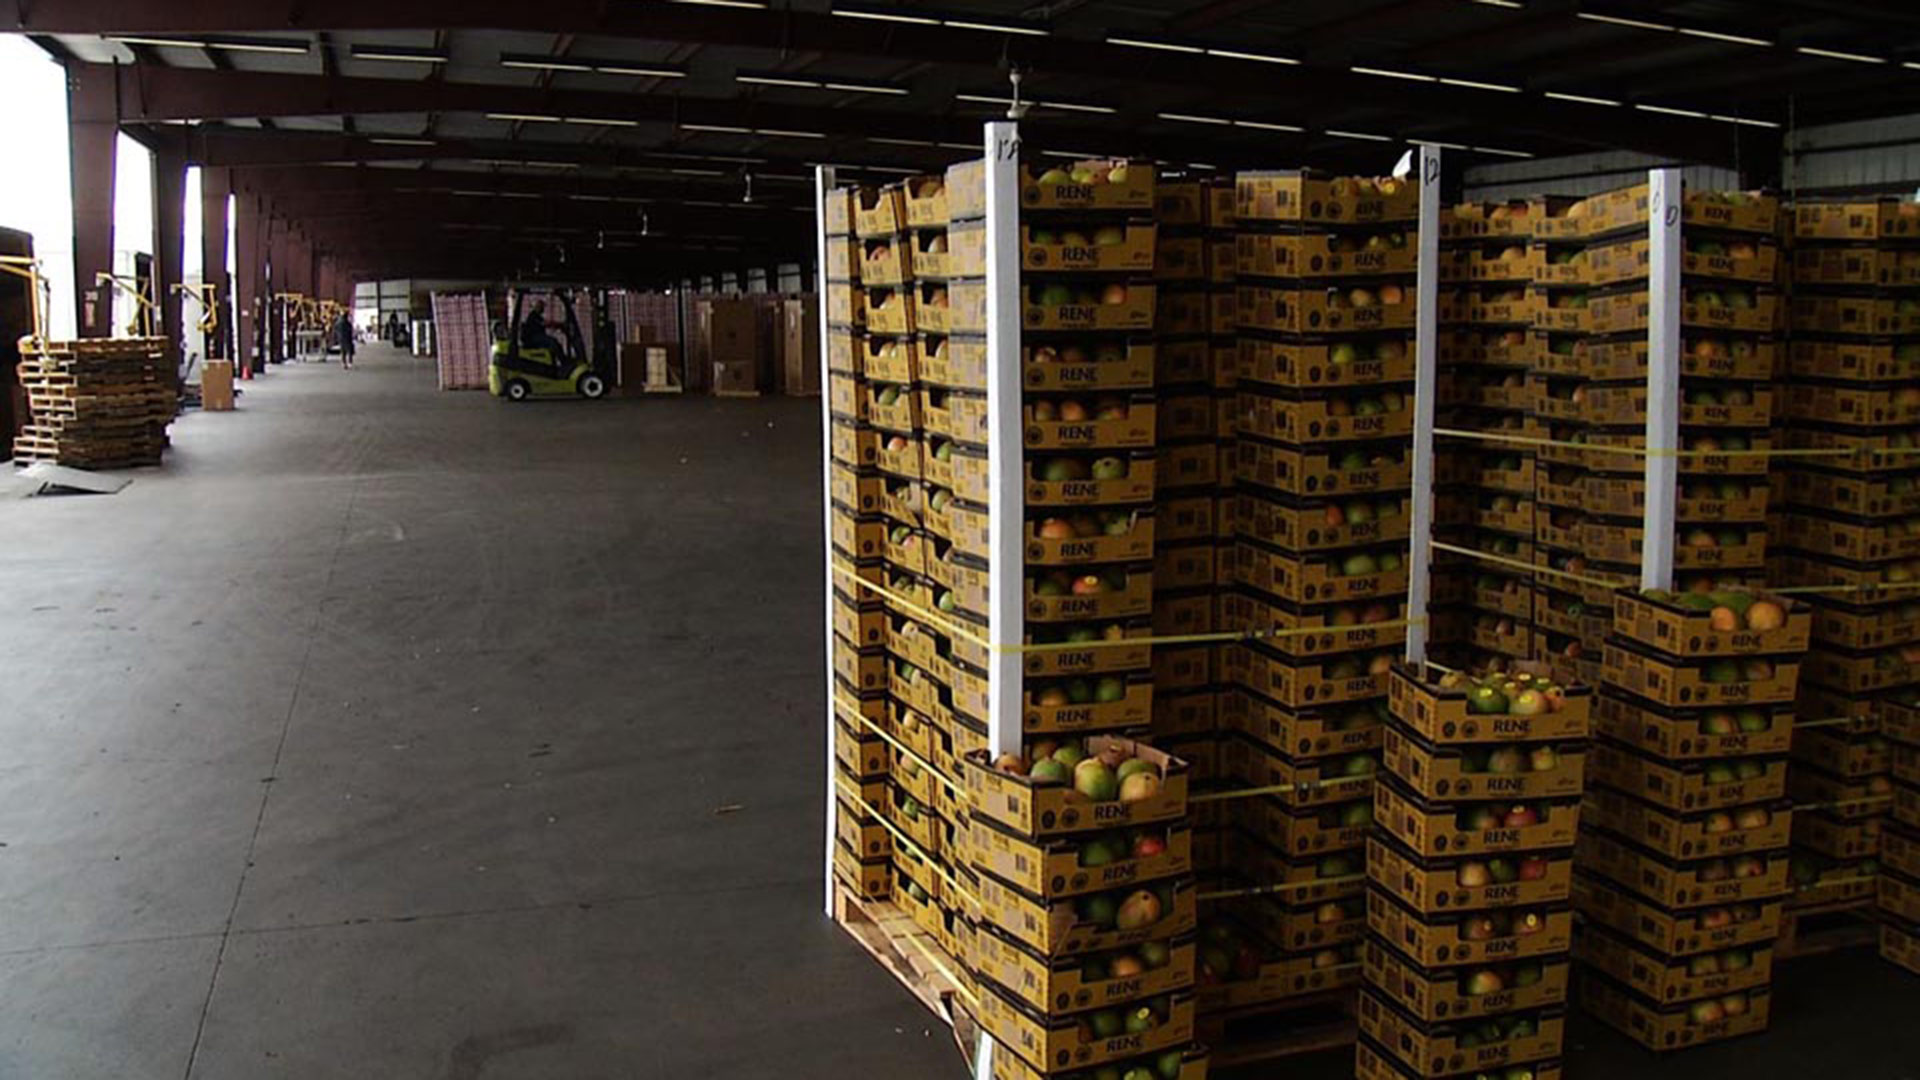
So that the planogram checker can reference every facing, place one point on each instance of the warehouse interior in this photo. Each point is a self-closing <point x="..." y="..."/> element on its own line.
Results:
<point x="372" y="720"/>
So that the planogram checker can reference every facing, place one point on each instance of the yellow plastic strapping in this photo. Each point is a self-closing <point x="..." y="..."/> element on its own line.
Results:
<point x="868" y="721"/>
<point x="913" y="848"/>
<point x="1633" y="451"/>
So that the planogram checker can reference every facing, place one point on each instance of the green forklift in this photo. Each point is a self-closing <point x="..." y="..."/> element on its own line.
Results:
<point x="552" y="368"/>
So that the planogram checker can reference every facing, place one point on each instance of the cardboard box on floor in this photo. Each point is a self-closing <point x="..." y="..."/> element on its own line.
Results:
<point x="216" y="386"/>
<point x="725" y="333"/>
<point x="800" y="346"/>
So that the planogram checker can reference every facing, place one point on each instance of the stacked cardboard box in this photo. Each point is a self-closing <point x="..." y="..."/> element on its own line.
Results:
<point x="463" y="335"/>
<point x="102" y="403"/>
<point x="1324" y="284"/>
<point x="1852" y="384"/>
<point x="1899" y="843"/>
<point x="1481" y="611"/>
<point x="1193" y="268"/>
<point x="1682" y="852"/>
<point x="1469" y="876"/>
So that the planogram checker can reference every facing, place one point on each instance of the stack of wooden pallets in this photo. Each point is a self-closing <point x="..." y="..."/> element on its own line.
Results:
<point x="97" y="404"/>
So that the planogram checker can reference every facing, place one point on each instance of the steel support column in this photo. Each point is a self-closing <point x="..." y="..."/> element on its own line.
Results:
<point x="169" y="243"/>
<point x="215" y="186"/>
<point x="92" y="127"/>
<point x="247" y="284"/>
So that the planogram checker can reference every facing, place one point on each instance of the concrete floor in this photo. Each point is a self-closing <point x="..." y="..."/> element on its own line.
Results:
<point x="387" y="733"/>
<point x="396" y="733"/>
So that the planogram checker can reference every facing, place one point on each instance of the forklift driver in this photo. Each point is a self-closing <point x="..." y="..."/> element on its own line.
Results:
<point x="533" y="331"/>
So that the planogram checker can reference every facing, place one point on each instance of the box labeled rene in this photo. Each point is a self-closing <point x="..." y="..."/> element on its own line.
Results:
<point x="1720" y="681"/>
<point x="1484" y="938"/>
<point x="1726" y="880"/>
<point x="1461" y="994"/>
<point x="1301" y="196"/>
<point x="1446" y="1050"/>
<point x="1540" y="770"/>
<point x="1321" y="471"/>
<point x="1463" y="712"/>
<point x="1433" y="830"/>
<point x="1089" y="366"/>
<point x="1093" y="184"/>
<point x="1300" y="631"/>
<point x="1312" y="310"/>
<point x="1679" y="1025"/>
<point x="1118" y="247"/>
<point x="1303" y="684"/>
<point x="1703" y="834"/>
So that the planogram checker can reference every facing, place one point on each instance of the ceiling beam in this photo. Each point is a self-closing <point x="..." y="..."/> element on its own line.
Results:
<point x="791" y="31"/>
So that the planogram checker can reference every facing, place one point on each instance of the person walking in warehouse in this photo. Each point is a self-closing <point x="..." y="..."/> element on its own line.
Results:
<point x="343" y="337"/>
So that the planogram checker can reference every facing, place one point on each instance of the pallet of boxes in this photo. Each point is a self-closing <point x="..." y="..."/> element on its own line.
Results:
<point x="1082" y="954"/>
<point x="1851" y="403"/>
<point x="1481" y="610"/>
<point x="1318" y="579"/>
<point x="96" y="403"/>
<point x="1683" y="846"/>
<point x="1469" y="875"/>
<point x="1592" y="272"/>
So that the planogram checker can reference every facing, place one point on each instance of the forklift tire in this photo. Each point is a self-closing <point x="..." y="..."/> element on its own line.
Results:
<point x="592" y="387"/>
<point x="518" y="390"/>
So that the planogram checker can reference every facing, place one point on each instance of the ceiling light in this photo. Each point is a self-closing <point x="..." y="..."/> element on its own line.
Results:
<point x="602" y="121"/>
<point x="1200" y="165"/>
<point x="753" y="4"/>
<point x="233" y="44"/>
<point x="1074" y="155"/>
<point x="1637" y="24"/>
<point x="1438" y="143"/>
<point x="1135" y="43"/>
<point x="1502" y="153"/>
<point x="403" y="142"/>
<point x="867" y="88"/>
<point x="637" y="68"/>
<point x="1744" y="120"/>
<point x="720" y="128"/>
<point x="1261" y="125"/>
<point x="924" y="143"/>
<point x="524" y="118"/>
<point x="1263" y="58"/>
<point x="1188" y="118"/>
<point x="399" y="54"/>
<point x="884" y="16"/>
<point x="1390" y="74"/>
<point x="590" y="198"/>
<point x="697" y="172"/>
<point x="1670" y="112"/>
<point x="1715" y="35"/>
<point x="1355" y="135"/>
<point x="780" y="133"/>
<point x="1581" y="98"/>
<point x="1473" y="85"/>
<point x="996" y="28"/>
<point x="775" y="80"/>
<point x="1499" y="4"/>
<point x="987" y="99"/>
<point x="1830" y="54"/>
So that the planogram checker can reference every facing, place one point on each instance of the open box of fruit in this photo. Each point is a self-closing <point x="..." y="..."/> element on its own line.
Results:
<point x="1720" y="880"/>
<point x="1354" y="575"/>
<point x="1446" y="1050"/>
<point x="1330" y="416"/>
<point x="1818" y="832"/>
<point x="1116" y="783"/>
<point x="1499" y="771"/>
<point x="1837" y="750"/>
<point x="1099" y="862"/>
<point x="1847" y="798"/>
<point x="1670" y="979"/>
<point x="1433" y="830"/>
<point x="1306" y="782"/>
<point x="1109" y="422"/>
<point x="1107" y="247"/>
<point x="1725" y="1016"/>
<point x="1326" y="255"/>
<point x="1065" y="985"/>
<point x="1315" y="364"/>
<point x="1310" y="833"/>
<point x="1439" y="886"/>
<point x="1699" y="682"/>
<point x="1705" y="834"/>
<point x="1309" y="631"/>
<point x="1729" y="732"/>
<point x="1866" y="672"/>
<point x="1818" y="881"/>
<point x="1082" y="366"/>
<point x="1094" y="922"/>
<point x="1689" y="786"/>
<point x="1113" y="306"/>
<point x="1332" y="731"/>
<point x="1176" y="1064"/>
<point x="1301" y="309"/>
<point x="1106" y="1035"/>
<point x="1711" y="928"/>
<point x="1082" y="479"/>
<point x="1334" y="524"/>
<point x="1294" y="879"/>
<point x="1297" y="195"/>
<point x="1372" y="1063"/>
<point x="1458" y="707"/>
<point x="1113" y="592"/>
<point x="1468" y="992"/>
<point x="1091" y="535"/>
<point x="1088" y="185"/>
<point x="1337" y="472"/>
<point x="1075" y="704"/>
<point x="1724" y="623"/>
<point x="1494" y="935"/>
<point x="1874" y="540"/>
<point x="1305" y="929"/>
<point x="1090" y="648"/>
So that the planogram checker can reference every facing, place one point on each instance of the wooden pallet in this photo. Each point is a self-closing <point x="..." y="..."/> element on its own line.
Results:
<point x="892" y="937"/>
<point x="1259" y="1034"/>
<point x="1825" y="928"/>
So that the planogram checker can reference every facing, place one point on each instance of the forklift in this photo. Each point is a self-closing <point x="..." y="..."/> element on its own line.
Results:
<point x="518" y="371"/>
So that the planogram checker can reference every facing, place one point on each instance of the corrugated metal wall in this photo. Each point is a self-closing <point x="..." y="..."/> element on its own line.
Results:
<point x="1867" y="156"/>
